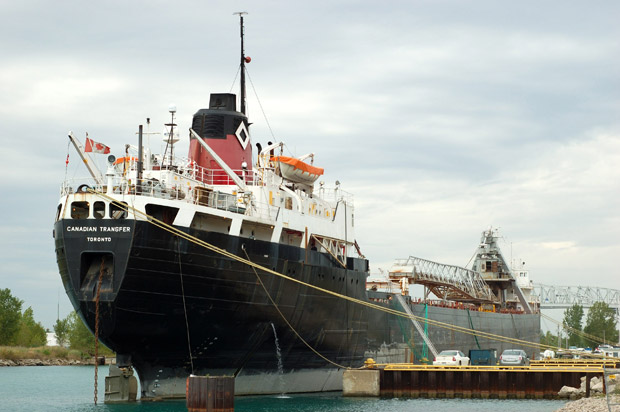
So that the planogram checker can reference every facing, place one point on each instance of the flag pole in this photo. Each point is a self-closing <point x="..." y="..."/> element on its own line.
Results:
<point x="91" y="166"/>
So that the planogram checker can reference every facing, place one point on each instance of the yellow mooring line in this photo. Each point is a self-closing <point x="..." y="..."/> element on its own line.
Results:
<point x="177" y="232"/>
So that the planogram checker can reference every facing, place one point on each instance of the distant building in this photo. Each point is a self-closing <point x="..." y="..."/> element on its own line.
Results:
<point x="51" y="339"/>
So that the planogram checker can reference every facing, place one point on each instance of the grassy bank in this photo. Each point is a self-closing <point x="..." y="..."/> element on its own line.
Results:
<point x="15" y="353"/>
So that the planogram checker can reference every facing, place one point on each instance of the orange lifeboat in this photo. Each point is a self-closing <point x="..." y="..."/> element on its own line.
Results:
<point x="297" y="171"/>
<point x="123" y="164"/>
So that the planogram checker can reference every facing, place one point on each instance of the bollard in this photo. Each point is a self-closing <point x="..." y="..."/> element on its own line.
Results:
<point x="210" y="393"/>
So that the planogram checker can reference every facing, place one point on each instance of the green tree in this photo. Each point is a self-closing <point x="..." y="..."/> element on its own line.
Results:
<point x="549" y="339"/>
<point x="80" y="337"/>
<point x="10" y="314"/>
<point x="601" y="322"/>
<point x="572" y="320"/>
<point x="61" y="330"/>
<point x="31" y="333"/>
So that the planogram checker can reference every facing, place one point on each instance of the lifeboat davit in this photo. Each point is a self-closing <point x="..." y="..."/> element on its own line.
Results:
<point x="297" y="171"/>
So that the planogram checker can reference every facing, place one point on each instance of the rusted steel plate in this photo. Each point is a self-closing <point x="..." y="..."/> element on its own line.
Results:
<point x="480" y="383"/>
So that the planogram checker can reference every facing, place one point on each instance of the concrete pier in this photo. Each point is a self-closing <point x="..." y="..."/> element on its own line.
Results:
<point x="361" y="382"/>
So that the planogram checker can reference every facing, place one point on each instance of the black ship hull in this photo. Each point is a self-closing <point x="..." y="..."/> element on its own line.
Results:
<point x="163" y="297"/>
<point x="170" y="308"/>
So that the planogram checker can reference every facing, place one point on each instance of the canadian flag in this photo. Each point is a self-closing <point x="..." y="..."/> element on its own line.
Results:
<point x="95" y="147"/>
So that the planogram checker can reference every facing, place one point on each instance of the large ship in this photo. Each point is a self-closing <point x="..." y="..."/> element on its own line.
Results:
<point x="203" y="265"/>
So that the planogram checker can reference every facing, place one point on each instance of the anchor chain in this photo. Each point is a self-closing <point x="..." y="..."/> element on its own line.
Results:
<point x="97" y="325"/>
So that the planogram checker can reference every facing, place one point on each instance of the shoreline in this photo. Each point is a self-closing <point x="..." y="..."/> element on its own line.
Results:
<point x="54" y="362"/>
<point x="591" y="404"/>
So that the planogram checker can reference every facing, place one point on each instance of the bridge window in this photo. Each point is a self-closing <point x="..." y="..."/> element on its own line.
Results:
<point x="117" y="212"/>
<point x="203" y="221"/>
<point x="79" y="210"/>
<point x="99" y="210"/>
<point x="166" y="214"/>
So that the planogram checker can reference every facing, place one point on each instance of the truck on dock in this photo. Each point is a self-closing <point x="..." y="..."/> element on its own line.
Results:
<point x="483" y="357"/>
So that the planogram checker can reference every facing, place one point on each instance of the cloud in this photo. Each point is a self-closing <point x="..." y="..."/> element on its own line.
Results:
<point x="559" y="245"/>
<point x="65" y="85"/>
<point x="562" y="199"/>
<point x="441" y="117"/>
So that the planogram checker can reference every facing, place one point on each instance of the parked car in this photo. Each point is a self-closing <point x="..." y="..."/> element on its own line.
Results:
<point x="451" y="357"/>
<point x="514" y="357"/>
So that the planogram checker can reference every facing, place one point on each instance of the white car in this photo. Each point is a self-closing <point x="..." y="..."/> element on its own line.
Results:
<point x="451" y="357"/>
<point x="514" y="357"/>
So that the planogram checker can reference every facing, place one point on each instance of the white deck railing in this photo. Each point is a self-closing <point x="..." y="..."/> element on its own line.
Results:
<point x="199" y="195"/>
<point x="198" y="185"/>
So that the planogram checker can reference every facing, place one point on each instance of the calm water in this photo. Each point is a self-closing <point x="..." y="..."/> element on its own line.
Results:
<point x="70" y="388"/>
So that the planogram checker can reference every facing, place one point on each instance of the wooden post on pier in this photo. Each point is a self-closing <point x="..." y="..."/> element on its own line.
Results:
<point x="210" y="394"/>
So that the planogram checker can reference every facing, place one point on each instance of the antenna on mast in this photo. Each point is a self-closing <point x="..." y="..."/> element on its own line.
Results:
<point x="170" y="141"/>
<point x="244" y="60"/>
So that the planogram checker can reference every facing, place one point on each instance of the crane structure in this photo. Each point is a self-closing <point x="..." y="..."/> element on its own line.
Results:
<point x="489" y="281"/>
<point x="444" y="281"/>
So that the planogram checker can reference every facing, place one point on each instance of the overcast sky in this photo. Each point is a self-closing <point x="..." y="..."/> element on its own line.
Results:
<point x="442" y="117"/>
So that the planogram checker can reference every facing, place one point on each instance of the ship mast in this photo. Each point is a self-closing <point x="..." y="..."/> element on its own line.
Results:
<point x="243" y="61"/>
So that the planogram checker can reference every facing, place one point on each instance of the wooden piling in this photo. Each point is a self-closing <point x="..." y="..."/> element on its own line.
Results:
<point x="210" y="394"/>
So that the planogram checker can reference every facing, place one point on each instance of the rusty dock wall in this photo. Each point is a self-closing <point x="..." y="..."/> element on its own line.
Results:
<point x="499" y="382"/>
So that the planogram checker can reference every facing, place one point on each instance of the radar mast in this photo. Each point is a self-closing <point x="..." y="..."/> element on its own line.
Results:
<point x="244" y="60"/>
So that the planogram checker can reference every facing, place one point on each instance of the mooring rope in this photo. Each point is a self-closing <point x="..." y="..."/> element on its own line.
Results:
<point x="189" y="346"/>
<point x="286" y="320"/>
<point x="177" y="232"/>
<point x="570" y="329"/>
<point x="97" y="325"/>
<point x="471" y="323"/>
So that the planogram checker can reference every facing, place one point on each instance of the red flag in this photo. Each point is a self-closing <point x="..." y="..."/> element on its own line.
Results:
<point x="95" y="147"/>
